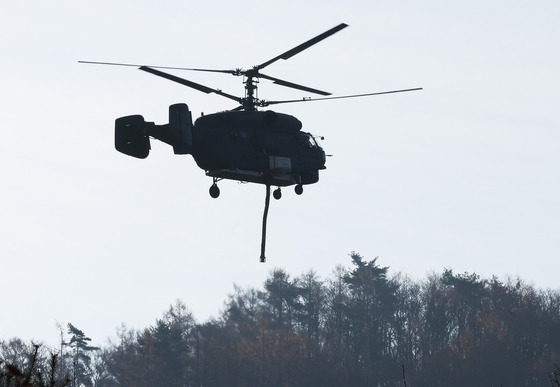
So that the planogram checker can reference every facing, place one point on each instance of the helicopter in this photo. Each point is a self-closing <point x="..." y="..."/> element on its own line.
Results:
<point x="245" y="143"/>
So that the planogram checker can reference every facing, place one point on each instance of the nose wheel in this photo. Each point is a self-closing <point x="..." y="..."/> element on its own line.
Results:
<point x="277" y="194"/>
<point x="299" y="189"/>
<point x="214" y="191"/>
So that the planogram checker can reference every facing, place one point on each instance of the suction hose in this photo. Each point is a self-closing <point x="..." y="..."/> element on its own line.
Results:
<point x="265" y="215"/>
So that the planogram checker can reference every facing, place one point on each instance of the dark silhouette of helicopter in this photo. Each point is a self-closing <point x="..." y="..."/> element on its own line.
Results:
<point x="244" y="143"/>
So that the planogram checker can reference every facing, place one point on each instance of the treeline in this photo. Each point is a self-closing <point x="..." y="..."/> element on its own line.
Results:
<point x="359" y="327"/>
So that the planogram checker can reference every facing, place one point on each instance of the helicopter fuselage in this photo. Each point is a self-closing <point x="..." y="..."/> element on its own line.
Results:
<point x="259" y="147"/>
<point x="263" y="147"/>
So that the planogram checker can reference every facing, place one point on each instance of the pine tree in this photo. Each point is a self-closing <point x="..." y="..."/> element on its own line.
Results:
<point x="81" y="359"/>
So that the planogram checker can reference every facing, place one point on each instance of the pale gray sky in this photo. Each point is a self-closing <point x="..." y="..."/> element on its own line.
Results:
<point x="463" y="175"/>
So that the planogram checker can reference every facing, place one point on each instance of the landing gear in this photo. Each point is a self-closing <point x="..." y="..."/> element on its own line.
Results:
<point x="299" y="189"/>
<point x="277" y="194"/>
<point x="214" y="191"/>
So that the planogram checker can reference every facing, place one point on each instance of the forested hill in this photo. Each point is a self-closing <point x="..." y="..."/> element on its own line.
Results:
<point x="359" y="327"/>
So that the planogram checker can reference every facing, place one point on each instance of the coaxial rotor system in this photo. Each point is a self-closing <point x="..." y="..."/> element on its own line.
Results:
<point x="250" y="102"/>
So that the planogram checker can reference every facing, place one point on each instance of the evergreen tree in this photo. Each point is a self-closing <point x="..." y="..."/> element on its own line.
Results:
<point x="82" y="372"/>
<point x="371" y="311"/>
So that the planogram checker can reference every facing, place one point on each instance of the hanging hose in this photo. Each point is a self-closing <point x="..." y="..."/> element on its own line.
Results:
<point x="265" y="215"/>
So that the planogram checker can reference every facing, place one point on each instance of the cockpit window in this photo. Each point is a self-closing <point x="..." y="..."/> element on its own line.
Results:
<point x="316" y="141"/>
<point x="307" y="141"/>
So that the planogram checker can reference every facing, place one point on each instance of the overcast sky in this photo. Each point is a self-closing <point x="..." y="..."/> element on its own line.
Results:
<point x="462" y="175"/>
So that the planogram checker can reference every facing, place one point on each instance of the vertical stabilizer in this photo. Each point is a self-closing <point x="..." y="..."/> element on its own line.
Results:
<point x="180" y="128"/>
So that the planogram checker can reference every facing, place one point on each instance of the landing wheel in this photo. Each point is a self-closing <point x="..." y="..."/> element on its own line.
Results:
<point x="214" y="191"/>
<point x="277" y="194"/>
<point x="299" y="189"/>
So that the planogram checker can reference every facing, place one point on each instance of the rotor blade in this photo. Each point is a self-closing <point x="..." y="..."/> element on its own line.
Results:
<point x="234" y="72"/>
<point x="266" y="103"/>
<point x="293" y="85"/>
<point x="191" y="84"/>
<point x="288" y="54"/>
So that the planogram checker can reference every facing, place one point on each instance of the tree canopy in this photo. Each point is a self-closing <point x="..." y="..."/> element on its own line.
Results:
<point x="360" y="327"/>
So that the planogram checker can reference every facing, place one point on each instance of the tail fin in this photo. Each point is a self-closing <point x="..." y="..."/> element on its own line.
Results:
<point x="131" y="136"/>
<point x="132" y="133"/>
<point x="180" y="128"/>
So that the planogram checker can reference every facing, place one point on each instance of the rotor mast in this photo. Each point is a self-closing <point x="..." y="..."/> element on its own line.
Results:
<point x="250" y="101"/>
